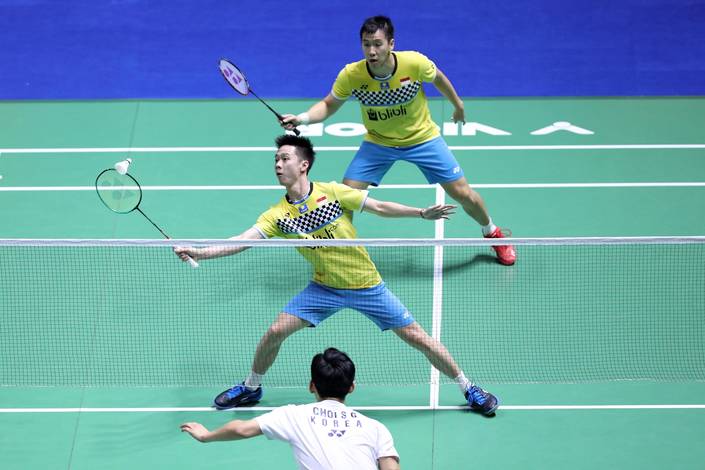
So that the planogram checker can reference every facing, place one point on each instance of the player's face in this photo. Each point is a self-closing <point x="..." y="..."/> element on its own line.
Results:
<point x="378" y="50"/>
<point x="288" y="165"/>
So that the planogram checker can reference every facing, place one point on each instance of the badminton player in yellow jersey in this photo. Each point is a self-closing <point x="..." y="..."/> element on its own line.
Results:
<point x="388" y="86"/>
<point x="344" y="277"/>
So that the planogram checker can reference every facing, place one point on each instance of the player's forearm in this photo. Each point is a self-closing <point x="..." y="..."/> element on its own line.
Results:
<point x="445" y="87"/>
<point x="218" y="251"/>
<point x="320" y="111"/>
<point x="232" y="431"/>
<point x="393" y="209"/>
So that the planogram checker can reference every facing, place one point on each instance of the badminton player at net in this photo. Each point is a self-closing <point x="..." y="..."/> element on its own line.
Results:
<point x="325" y="434"/>
<point x="388" y="86"/>
<point x="343" y="276"/>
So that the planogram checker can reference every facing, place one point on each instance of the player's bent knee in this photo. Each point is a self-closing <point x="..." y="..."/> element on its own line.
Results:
<point x="414" y="335"/>
<point x="284" y="326"/>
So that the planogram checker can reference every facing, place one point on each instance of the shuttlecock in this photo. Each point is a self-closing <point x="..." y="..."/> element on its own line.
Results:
<point x="121" y="167"/>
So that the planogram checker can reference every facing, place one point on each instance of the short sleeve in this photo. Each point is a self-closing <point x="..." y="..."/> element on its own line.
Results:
<point x="276" y="424"/>
<point x="341" y="87"/>
<point x="385" y="443"/>
<point x="267" y="225"/>
<point x="427" y="69"/>
<point x="350" y="198"/>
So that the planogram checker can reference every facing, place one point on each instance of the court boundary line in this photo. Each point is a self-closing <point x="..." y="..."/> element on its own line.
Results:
<point x="21" y="150"/>
<point x="673" y="184"/>
<point x="436" y="309"/>
<point x="359" y="408"/>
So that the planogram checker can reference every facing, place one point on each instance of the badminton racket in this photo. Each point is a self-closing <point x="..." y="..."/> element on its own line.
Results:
<point x="121" y="193"/>
<point x="237" y="80"/>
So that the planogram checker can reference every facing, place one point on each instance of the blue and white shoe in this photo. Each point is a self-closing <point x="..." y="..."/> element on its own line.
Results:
<point x="237" y="396"/>
<point x="481" y="401"/>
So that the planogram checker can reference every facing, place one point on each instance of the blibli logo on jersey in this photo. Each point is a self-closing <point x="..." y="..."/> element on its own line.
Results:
<point x="384" y="85"/>
<point x="389" y="113"/>
<point x="303" y="209"/>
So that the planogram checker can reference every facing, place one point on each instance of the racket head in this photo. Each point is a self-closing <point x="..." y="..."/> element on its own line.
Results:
<point x="119" y="193"/>
<point x="234" y="76"/>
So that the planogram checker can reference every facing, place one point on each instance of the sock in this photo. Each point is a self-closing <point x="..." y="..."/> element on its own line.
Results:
<point x="463" y="382"/>
<point x="489" y="228"/>
<point x="254" y="380"/>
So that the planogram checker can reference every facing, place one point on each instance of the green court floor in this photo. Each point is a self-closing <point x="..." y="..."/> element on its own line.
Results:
<point x="633" y="167"/>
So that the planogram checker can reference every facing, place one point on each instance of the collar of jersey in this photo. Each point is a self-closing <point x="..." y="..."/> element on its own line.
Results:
<point x="384" y="79"/>
<point x="310" y="190"/>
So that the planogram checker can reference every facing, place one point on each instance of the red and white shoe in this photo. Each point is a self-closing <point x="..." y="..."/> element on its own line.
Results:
<point x="506" y="254"/>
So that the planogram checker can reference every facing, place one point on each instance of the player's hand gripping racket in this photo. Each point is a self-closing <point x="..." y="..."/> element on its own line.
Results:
<point x="121" y="193"/>
<point x="237" y="80"/>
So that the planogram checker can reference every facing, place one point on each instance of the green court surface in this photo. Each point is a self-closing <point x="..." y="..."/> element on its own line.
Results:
<point x="622" y="167"/>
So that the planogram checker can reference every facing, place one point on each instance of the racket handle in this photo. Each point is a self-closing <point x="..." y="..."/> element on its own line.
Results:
<point x="281" y="119"/>
<point x="192" y="262"/>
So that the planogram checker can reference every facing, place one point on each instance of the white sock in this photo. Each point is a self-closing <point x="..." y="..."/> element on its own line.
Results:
<point x="489" y="228"/>
<point x="463" y="382"/>
<point x="253" y="380"/>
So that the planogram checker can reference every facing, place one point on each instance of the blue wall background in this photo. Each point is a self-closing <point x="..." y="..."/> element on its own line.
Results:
<point x="169" y="49"/>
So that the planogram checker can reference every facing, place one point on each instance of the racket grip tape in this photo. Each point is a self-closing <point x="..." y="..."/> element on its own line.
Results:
<point x="192" y="262"/>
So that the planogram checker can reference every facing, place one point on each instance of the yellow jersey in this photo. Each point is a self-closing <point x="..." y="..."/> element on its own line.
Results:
<point x="325" y="213"/>
<point x="394" y="109"/>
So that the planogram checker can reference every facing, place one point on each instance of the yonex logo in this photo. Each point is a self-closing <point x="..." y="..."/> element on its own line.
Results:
<point x="233" y="76"/>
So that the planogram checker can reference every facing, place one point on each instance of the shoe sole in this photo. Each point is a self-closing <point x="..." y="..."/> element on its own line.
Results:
<point x="489" y="412"/>
<point x="242" y="403"/>
<point x="246" y="401"/>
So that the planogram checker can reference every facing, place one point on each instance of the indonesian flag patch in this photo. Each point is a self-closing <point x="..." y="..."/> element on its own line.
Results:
<point x="405" y="81"/>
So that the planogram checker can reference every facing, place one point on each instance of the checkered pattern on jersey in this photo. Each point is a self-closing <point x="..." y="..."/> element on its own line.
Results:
<point x="313" y="220"/>
<point x="399" y="95"/>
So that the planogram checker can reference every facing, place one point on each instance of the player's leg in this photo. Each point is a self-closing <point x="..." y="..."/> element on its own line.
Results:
<point x="356" y="184"/>
<point x="385" y="309"/>
<point x="369" y="165"/>
<point x="438" y="164"/>
<point x="250" y="391"/>
<point x="284" y="326"/>
<point x="469" y="199"/>
<point x="473" y="204"/>
<point x="479" y="400"/>
<point x="308" y="308"/>
<point x="434" y="350"/>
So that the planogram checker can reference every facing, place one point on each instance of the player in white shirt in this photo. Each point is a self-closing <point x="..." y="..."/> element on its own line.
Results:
<point x="325" y="435"/>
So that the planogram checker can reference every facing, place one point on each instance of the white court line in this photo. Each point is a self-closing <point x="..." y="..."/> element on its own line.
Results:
<point x="673" y="184"/>
<point x="341" y="148"/>
<point x="437" y="316"/>
<point x="359" y="408"/>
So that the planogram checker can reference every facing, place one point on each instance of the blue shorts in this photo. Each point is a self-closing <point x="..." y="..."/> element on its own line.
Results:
<point x="434" y="159"/>
<point x="316" y="303"/>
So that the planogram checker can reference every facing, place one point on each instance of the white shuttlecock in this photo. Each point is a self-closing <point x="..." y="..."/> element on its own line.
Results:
<point x="121" y="167"/>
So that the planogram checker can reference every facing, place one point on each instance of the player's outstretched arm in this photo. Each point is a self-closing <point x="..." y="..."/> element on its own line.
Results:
<point x="319" y="112"/>
<point x="232" y="431"/>
<point x="217" y="251"/>
<point x="443" y="85"/>
<point x="393" y="209"/>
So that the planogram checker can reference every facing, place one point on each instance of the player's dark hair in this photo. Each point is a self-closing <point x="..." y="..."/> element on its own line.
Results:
<point x="304" y="147"/>
<point x="375" y="23"/>
<point x="333" y="373"/>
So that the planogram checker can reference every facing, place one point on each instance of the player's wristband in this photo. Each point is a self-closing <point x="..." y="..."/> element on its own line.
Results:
<point x="303" y="118"/>
<point x="421" y="213"/>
